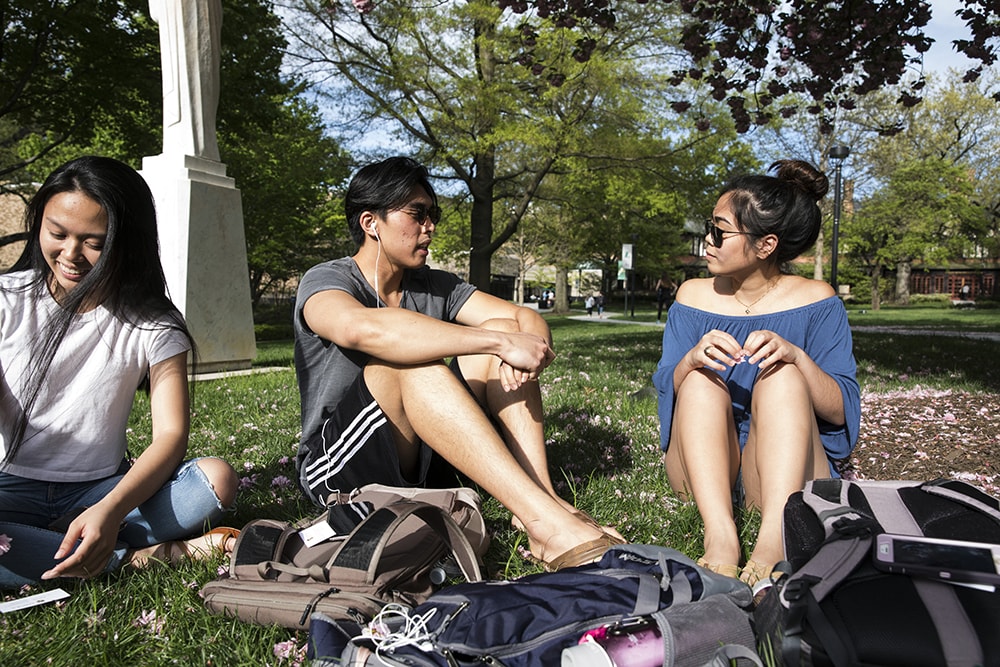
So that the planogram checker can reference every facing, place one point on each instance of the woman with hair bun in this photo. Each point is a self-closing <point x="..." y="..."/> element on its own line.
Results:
<point x="757" y="382"/>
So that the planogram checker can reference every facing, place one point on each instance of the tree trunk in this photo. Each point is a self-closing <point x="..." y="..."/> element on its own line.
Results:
<point x="903" y="283"/>
<point x="481" y="221"/>
<point x="876" y="297"/>
<point x="562" y="290"/>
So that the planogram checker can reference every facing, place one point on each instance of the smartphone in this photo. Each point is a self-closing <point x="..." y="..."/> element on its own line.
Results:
<point x="948" y="560"/>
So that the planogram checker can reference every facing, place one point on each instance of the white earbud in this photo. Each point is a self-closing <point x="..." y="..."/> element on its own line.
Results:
<point x="375" y="232"/>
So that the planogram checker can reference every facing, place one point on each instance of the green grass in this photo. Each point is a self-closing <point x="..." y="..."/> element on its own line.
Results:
<point x="927" y="317"/>
<point x="603" y="445"/>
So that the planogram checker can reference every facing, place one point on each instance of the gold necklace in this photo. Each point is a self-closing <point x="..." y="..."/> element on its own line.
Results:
<point x="748" y="306"/>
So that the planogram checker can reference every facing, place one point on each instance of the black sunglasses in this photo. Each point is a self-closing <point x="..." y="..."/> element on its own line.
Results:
<point x="717" y="233"/>
<point x="422" y="213"/>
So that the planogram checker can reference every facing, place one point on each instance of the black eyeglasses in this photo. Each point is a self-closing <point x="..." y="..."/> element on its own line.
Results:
<point x="421" y="214"/>
<point x="717" y="233"/>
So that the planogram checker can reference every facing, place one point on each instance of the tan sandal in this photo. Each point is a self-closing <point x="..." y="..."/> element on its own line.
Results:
<point x="176" y="551"/>
<point x="753" y="572"/>
<point x="582" y="554"/>
<point x="725" y="570"/>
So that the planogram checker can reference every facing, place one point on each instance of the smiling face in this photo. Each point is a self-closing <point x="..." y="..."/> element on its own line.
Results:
<point x="72" y="235"/>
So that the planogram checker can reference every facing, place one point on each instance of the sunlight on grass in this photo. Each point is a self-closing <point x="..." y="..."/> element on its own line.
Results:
<point x="603" y="443"/>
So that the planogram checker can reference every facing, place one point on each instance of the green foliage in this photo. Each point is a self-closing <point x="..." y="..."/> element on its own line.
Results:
<point x="60" y="61"/>
<point x="919" y="214"/>
<point x="502" y="105"/>
<point x="272" y="141"/>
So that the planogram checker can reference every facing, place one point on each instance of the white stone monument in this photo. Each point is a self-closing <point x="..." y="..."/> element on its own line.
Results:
<point x="199" y="210"/>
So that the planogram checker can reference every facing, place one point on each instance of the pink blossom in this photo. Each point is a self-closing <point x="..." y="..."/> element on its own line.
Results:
<point x="289" y="651"/>
<point x="5" y="543"/>
<point x="364" y="6"/>
<point x="281" y="482"/>
<point x="148" y="619"/>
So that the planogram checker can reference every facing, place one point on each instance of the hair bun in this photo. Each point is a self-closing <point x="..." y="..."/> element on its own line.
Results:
<point x="803" y="175"/>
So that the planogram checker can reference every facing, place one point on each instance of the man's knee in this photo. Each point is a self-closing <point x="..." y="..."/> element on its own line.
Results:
<point x="502" y="324"/>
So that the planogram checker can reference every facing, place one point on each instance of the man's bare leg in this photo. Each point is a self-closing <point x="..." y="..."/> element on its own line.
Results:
<point x="428" y="403"/>
<point x="517" y="413"/>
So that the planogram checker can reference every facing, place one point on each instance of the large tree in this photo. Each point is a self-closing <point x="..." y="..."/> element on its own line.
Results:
<point x="59" y="63"/>
<point x="60" y="60"/>
<point x="955" y="135"/>
<point x="457" y="80"/>
<point x="918" y="214"/>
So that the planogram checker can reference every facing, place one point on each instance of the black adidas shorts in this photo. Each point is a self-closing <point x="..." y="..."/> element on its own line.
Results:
<point x="355" y="447"/>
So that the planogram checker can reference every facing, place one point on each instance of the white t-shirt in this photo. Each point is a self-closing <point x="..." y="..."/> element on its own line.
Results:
<point x="76" y="431"/>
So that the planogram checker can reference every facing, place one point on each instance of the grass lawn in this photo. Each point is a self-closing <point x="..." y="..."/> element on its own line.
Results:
<point x="603" y="446"/>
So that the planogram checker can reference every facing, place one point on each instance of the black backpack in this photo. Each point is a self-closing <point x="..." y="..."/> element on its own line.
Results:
<point x="838" y="609"/>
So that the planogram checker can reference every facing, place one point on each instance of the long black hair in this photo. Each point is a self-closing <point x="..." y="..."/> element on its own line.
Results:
<point x="127" y="278"/>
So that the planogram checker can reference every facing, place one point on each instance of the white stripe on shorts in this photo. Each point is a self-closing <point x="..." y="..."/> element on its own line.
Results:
<point x="335" y="457"/>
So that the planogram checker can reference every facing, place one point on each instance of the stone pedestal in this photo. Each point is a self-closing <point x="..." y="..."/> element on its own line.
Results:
<point x="203" y="251"/>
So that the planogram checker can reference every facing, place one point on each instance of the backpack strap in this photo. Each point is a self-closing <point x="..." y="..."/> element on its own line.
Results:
<point x="959" y="640"/>
<point x="363" y="547"/>
<point x="965" y="494"/>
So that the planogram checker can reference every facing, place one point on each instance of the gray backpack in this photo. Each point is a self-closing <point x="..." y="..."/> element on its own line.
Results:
<point x="375" y="546"/>
<point x="838" y="609"/>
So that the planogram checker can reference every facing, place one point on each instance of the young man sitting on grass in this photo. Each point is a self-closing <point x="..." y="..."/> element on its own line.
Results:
<point x="379" y="403"/>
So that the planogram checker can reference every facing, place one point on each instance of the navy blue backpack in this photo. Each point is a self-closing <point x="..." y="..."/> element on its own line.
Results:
<point x="702" y="617"/>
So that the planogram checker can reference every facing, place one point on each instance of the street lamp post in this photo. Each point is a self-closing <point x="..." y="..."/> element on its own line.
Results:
<point x="838" y="153"/>
<point x="631" y="284"/>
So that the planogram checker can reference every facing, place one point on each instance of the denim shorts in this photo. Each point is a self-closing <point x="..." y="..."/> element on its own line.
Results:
<point x="185" y="506"/>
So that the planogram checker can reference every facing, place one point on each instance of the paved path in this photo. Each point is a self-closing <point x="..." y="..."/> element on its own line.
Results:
<point x="619" y="318"/>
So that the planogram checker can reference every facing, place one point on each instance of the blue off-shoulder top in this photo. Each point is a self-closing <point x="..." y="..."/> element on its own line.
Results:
<point x="820" y="328"/>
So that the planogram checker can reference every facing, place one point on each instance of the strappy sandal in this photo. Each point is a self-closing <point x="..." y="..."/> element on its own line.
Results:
<point x="753" y="573"/>
<point x="176" y="551"/>
<point x="610" y="531"/>
<point x="583" y="553"/>
<point x="725" y="570"/>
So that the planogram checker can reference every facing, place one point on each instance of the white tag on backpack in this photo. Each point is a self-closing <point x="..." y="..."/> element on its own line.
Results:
<point x="320" y="531"/>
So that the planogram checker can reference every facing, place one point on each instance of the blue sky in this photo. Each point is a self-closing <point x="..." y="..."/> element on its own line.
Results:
<point x="945" y="27"/>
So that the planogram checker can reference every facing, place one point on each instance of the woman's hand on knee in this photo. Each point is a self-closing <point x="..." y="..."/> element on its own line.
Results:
<point x="767" y="348"/>
<point x="93" y="534"/>
<point x="716" y="349"/>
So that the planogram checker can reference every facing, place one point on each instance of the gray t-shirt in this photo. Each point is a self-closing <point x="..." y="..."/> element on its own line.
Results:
<point x="325" y="370"/>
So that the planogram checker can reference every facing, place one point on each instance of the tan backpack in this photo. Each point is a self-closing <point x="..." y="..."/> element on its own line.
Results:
<point x="377" y="545"/>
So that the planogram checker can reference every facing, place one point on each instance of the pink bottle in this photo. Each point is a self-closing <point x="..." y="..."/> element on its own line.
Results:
<point x="639" y="645"/>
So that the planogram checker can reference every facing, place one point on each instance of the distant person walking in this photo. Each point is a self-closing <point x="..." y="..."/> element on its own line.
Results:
<point x="666" y="288"/>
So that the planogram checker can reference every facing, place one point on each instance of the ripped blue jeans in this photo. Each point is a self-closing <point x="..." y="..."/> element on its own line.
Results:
<point x="183" y="507"/>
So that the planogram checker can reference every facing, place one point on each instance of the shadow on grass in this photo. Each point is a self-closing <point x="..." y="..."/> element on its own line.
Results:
<point x="583" y="444"/>
<point x="888" y="360"/>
